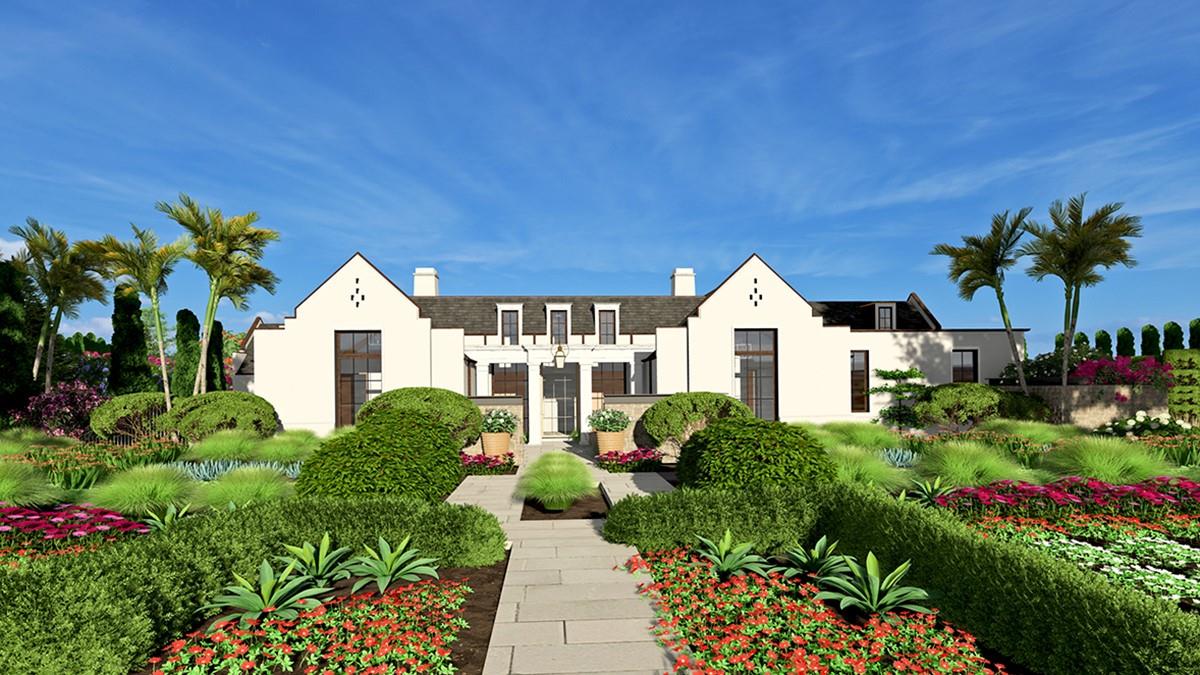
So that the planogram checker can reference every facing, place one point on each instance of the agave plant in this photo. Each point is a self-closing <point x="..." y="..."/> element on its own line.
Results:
<point x="901" y="458"/>
<point x="866" y="589"/>
<point x="926" y="493"/>
<point x="820" y="560"/>
<point x="160" y="520"/>
<point x="387" y="566"/>
<point x="281" y="596"/>
<point x="731" y="559"/>
<point x="324" y="564"/>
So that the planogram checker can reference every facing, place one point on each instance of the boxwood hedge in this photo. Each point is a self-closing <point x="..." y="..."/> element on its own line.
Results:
<point x="197" y="417"/>
<point x="129" y="415"/>
<point x="450" y="408"/>
<point x="734" y="453"/>
<point x="1039" y="612"/>
<point x="105" y="612"/>
<point x="675" y="418"/>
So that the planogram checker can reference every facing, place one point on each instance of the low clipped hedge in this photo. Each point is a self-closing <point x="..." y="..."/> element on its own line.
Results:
<point x="675" y="418"/>
<point x="737" y="453"/>
<point x="197" y="417"/>
<point x="450" y="408"/>
<point x="773" y="518"/>
<point x="106" y="612"/>
<point x="1039" y="612"/>
<point x="394" y="451"/>
<point x="130" y="415"/>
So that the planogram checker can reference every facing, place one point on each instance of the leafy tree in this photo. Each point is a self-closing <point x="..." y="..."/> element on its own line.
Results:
<point x="1194" y="334"/>
<point x="1104" y="343"/>
<point x="129" y="372"/>
<point x="1172" y="336"/>
<point x="15" y="342"/>
<point x="1125" y="342"/>
<point x="78" y="343"/>
<point x="1081" y="341"/>
<point x="187" y="352"/>
<point x="1074" y="248"/>
<point x="215" y="379"/>
<point x="904" y="394"/>
<point x="229" y="251"/>
<point x="1150" y="343"/>
<point x="982" y="261"/>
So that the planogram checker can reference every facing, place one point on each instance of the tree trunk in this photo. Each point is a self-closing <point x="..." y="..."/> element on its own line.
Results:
<point x="41" y="344"/>
<point x="200" y="385"/>
<point x="162" y="348"/>
<point x="50" y="349"/>
<point x="1018" y="358"/>
<point x="1066" y="351"/>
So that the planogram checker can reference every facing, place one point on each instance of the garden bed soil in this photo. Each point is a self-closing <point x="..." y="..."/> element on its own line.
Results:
<point x="584" y="509"/>
<point x="469" y="651"/>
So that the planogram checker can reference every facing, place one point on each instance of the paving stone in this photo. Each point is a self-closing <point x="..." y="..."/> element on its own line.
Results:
<point x="527" y="633"/>
<point x="498" y="661"/>
<point x="610" y="630"/>
<point x="534" y="552"/>
<point x="589" y="658"/>
<point x="506" y="612"/>
<point x="594" y="550"/>
<point x="629" y="608"/>
<point x="512" y="594"/>
<point x="568" y="592"/>
<point x="596" y="563"/>
<point x="594" y="576"/>
<point x="532" y="577"/>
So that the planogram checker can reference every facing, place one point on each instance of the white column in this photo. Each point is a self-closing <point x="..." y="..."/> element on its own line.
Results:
<point x="483" y="379"/>
<point x="585" y="396"/>
<point x="631" y="374"/>
<point x="533" y="392"/>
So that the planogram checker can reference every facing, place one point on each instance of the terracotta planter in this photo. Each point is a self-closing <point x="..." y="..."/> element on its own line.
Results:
<point x="495" y="443"/>
<point x="610" y="441"/>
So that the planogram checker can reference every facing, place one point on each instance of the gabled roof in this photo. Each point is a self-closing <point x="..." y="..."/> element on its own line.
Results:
<point x="476" y="314"/>
<point x="860" y="314"/>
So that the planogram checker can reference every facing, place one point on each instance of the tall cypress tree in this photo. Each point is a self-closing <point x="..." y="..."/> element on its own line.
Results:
<point x="1125" y="342"/>
<point x="1194" y="334"/>
<point x="1151" y="345"/>
<point x="215" y="377"/>
<point x="129" y="371"/>
<point x="187" y="353"/>
<point x="1172" y="336"/>
<point x="15" y="385"/>
<point x="1104" y="343"/>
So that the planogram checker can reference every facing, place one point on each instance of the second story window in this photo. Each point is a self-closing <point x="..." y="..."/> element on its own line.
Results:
<point x="608" y="327"/>
<point x="885" y="321"/>
<point x="558" y="327"/>
<point x="510" y="330"/>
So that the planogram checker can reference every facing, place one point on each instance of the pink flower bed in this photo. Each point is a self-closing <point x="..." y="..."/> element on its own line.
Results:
<point x="1076" y="494"/>
<point x="642" y="459"/>
<point x="34" y="533"/>
<point x="488" y="465"/>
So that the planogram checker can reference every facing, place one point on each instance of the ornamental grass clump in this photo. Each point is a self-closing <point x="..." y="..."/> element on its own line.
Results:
<point x="142" y="489"/>
<point x="23" y="485"/>
<point x="229" y="444"/>
<point x="864" y="435"/>
<point x="20" y="439"/>
<point x="963" y="463"/>
<point x="1112" y="460"/>
<point x="1036" y="432"/>
<point x="244" y="486"/>
<point x="860" y="465"/>
<point x="556" y="480"/>
<point x="295" y="445"/>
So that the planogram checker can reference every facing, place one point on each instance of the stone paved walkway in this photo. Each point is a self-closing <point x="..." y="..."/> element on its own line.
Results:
<point x="564" y="609"/>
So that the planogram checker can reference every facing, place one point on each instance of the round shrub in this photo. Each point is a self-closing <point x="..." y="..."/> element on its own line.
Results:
<point x="734" y="453"/>
<point x="396" y="451"/>
<point x="675" y="418"/>
<point x="452" y="409"/>
<point x="959" y="406"/>
<point x="130" y="415"/>
<point x="200" y="416"/>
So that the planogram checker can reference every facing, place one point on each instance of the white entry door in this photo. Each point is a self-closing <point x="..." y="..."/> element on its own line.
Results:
<point x="560" y="389"/>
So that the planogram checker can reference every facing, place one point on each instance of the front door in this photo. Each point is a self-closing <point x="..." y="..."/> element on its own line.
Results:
<point x="560" y="390"/>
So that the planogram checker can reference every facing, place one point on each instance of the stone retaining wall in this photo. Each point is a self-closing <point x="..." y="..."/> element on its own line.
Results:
<point x="1093" y="405"/>
<point x="633" y="405"/>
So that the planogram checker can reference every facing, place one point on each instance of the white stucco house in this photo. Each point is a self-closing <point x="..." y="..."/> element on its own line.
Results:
<point x="752" y="336"/>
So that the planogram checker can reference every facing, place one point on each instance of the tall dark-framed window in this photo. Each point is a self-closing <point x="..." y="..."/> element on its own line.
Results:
<point x="510" y="327"/>
<point x="608" y="326"/>
<point x="359" y="371"/>
<point x="860" y="381"/>
<point x="757" y="371"/>
<point x="886" y="320"/>
<point x="469" y="375"/>
<point x="964" y="365"/>
<point x="610" y="379"/>
<point x="558" y="326"/>
<point x="509" y="380"/>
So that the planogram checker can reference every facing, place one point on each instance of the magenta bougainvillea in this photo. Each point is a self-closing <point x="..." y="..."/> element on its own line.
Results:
<point x="1140" y="371"/>
<point x="64" y="410"/>
<point x="1076" y="494"/>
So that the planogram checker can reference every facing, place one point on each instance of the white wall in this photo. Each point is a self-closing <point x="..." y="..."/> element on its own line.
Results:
<point x="671" y="362"/>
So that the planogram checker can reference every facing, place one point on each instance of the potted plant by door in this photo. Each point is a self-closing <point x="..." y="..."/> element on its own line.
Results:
<point x="498" y="427"/>
<point x="609" y="426"/>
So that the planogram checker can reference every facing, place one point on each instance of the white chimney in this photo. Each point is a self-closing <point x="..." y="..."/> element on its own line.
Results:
<point x="683" y="281"/>
<point x="425" y="281"/>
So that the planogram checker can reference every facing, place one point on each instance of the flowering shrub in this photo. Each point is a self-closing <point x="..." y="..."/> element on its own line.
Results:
<point x="1076" y="494"/>
<point x="407" y="629"/>
<point x="642" y="459"/>
<point x="62" y="411"/>
<point x="28" y="534"/>
<point x="1138" y="371"/>
<point x="499" y="421"/>
<point x="608" y="419"/>
<point x="1142" y="424"/>
<point x="488" y="465"/>
<point x="774" y="624"/>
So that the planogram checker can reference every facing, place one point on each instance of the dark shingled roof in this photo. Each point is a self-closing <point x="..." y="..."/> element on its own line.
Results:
<point x="476" y="314"/>
<point x="860" y="314"/>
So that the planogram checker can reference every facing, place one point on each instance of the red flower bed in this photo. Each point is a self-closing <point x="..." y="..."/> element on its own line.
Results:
<point x="1076" y="494"/>
<point x="488" y="465"/>
<point x="642" y="459"/>
<point x="775" y="625"/>
<point x="408" y="629"/>
<point x="27" y="534"/>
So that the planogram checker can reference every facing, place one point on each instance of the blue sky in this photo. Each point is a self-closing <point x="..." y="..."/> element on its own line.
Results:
<point x="567" y="147"/>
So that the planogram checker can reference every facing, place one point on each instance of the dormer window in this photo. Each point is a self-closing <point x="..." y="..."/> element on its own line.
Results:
<point x="885" y="317"/>
<point x="558" y="326"/>
<point x="508" y="320"/>
<point x="608" y="322"/>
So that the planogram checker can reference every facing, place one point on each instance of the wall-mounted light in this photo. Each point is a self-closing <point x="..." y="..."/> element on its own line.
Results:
<point x="560" y="356"/>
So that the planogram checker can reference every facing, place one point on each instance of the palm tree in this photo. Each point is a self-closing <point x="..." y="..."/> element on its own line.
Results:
<point x="982" y="261"/>
<point x="144" y="265"/>
<point x="64" y="276"/>
<point x="1073" y="249"/>
<point x="229" y="251"/>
